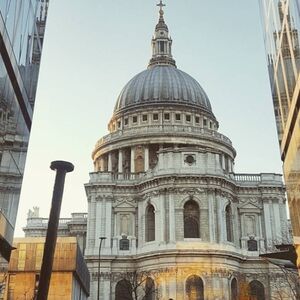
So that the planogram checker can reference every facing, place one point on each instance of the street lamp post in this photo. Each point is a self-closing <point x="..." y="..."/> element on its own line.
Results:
<point x="98" y="290"/>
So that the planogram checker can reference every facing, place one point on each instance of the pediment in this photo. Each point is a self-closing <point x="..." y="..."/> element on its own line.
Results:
<point x="249" y="205"/>
<point x="126" y="202"/>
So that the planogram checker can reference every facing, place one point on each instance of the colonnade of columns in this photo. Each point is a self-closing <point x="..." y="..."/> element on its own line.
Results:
<point x="107" y="163"/>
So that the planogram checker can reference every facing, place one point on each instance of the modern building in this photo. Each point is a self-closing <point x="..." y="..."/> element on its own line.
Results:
<point x="22" y="27"/>
<point x="178" y="222"/>
<point x="69" y="278"/>
<point x="281" y="22"/>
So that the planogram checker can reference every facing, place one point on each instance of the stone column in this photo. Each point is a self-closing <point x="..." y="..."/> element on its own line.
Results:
<point x="220" y="219"/>
<point x="172" y="236"/>
<point x="172" y="288"/>
<point x="106" y="289"/>
<point x="132" y="165"/>
<point x="212" y="223"/>
<point x="99" y="230"/>
<point x="109" y="163"/>
<point x="120" y="161"/>
<point x="146" y="149"/>
<point x="267" y="218"/>
<point x="277" y="224"/>
<point x="91" y="225"/>
<point x="108" y="217"/>
<point x="162" y="223"/>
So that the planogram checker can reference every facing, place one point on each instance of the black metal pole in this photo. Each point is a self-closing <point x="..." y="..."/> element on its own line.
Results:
<point x="61" y="167"/>
<point x="98" y="290"/>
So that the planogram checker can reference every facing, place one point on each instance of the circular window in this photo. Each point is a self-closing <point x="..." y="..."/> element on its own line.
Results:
<point x="190" y="159"/>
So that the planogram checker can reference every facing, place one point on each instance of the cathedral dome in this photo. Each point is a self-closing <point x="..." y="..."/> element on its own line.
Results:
<point x="162" y="84"/>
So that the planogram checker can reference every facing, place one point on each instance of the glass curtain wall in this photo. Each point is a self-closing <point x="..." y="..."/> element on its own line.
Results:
<point x="22" y="26"/>
<point x="281" y="22"/>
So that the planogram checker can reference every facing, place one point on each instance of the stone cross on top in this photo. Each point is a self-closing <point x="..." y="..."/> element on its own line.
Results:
<point x="161" y="5"/>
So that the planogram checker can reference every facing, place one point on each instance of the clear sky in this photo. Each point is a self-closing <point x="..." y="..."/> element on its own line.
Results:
<point x="92" y="48"/>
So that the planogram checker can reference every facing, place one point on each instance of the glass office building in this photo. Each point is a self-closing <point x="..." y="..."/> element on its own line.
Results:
<point x="22" y="26"/>
<point x="281" y="21"/>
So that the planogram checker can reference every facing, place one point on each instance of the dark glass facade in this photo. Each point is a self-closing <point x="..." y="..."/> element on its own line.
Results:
<point x="22" y="27"/>
<point x="281" y="21"/>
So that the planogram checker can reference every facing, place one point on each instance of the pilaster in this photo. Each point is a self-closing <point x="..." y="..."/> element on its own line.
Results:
<point x="146" y="149"/>
<point x="109" y="163"/>
<point x="132" y="156"/>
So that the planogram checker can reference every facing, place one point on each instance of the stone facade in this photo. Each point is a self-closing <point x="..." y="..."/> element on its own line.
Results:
<point x="165" y="196"/>
<point x="76" y="226"/>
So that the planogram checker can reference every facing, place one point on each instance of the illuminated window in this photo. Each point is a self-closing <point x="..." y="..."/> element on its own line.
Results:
<point x="256" y="290"/>
<point x="194" y="288"/>
<point x="228" y="216"/>
<point x="191" y="219"/>
<point x="150" y="223"/>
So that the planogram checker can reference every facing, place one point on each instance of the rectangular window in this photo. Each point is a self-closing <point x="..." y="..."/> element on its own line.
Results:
<point x="188" y="118"/>
<point x="162" y="46"/>
<point x="119" y="124"/>
<point x="167" y="116"/>
<point x="177" y="117"/>
<point x="197" y="120"/>
<point x="204" y="122"/>
<point x="155" y="117"/>
<point x="134" y="119"/>
<point x="210" y="125"/>
<point x="145" y="118"/>
<point x="126" y="121"/>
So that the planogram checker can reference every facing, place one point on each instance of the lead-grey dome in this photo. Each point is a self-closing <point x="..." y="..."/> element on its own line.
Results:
<point x="162" y="84"/>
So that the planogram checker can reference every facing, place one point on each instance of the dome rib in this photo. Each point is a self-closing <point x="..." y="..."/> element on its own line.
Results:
<point x="161" y="84"/>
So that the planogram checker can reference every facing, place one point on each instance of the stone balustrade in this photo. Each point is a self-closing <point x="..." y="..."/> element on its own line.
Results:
<point x="174" y="129"/>
<point x="262" y="178"/>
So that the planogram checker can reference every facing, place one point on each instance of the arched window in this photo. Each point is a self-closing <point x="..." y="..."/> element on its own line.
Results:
<point x="191" y="219"/>
<point x="150" y="223"/>
<point x="234" y="289"/>
<point x="149" y="289"/>
<point x="256" y="290"/>
<point x="194" y="288"/>
<point x="123" y="290"/>
<point x="228" y="217"/>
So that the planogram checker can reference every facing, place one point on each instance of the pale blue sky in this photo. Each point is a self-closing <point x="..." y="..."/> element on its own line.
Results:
<point x="92" y="48"/>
